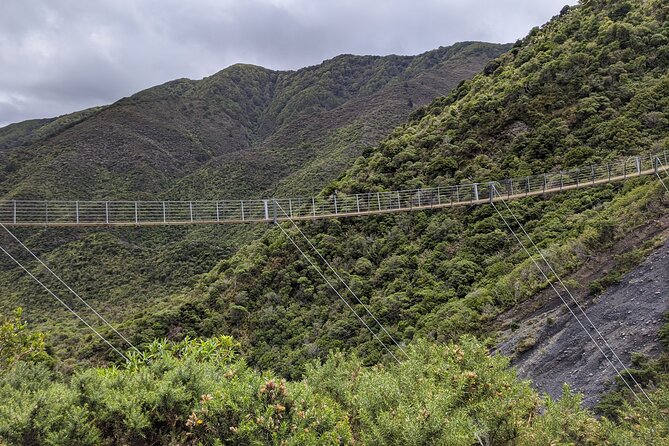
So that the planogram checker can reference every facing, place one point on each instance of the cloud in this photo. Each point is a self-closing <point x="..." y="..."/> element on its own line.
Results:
<point x="62" y="56"/>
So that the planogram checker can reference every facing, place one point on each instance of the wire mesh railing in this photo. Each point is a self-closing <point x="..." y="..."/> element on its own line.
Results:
<point x="89" y="213"/>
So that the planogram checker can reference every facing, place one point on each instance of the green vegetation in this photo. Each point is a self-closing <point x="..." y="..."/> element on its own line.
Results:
<point x="436" y="275"/>
<point x="201" y="392"/>
<point x="18" y="344"/>
<point x="193" y="392"/>
<point x="590" y="85"/>
<point x="29" y="132"/>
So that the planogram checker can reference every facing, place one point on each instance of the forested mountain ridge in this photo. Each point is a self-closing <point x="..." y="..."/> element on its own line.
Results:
<point x="245" y="131"/>
<point x="139" y="146"/>
<point x="588" y="86"/>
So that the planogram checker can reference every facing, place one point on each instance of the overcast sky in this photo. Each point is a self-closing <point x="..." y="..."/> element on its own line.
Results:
<point x="58" y="56"/>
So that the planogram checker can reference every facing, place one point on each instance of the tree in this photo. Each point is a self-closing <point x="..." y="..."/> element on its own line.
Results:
<point x="17" y="343"/>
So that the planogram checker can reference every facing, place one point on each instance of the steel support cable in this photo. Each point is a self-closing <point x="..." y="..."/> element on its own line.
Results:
<point x="63" y="303"/>
<point x="573" y="299"/>
<point x="665" y="172"/>
<point x="318" y="270"/>
<point x="338" y="294"/>
<point x="662" y="181"/>
<point x="355" y="296"/>
<point x="69" y="288"/>
<point x="563" y="300"/>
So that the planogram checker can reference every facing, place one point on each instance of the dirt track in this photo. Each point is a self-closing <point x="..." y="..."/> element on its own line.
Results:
<point x="552" y="349"/>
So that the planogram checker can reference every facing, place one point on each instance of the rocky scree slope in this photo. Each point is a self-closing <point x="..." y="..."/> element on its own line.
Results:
<point x="551" y="348"/>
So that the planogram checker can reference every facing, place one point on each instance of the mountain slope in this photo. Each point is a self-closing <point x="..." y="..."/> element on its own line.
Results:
<point x="243" y="131"/>
<point x="29" y="132"/>
<point x="588" y="86"/>
<point x="141" y="145"/>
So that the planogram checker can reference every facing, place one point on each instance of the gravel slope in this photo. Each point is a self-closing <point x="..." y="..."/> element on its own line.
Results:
<point x="551" y="348"/>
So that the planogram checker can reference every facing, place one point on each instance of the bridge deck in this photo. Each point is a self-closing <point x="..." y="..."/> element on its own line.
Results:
<point x="159" y="213"/>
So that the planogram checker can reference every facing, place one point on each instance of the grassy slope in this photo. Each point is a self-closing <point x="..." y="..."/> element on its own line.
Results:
<point x="588" y="86"/>
<point x="227" y="135"/>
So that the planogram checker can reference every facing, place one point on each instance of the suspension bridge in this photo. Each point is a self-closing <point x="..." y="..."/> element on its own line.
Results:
<point x="276" y="210"/>
<point x="338" y="205"/>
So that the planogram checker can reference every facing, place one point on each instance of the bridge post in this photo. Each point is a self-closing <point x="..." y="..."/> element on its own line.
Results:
<point x="491" y="186"/>
<point x="218" y="213"/>
<point x="527" y="191"/>
<point x="438" y="196"/>
<point x="241" y="205"/>
<point x="399" y="200"/>
<point x="313" y="205"/>
<point x="545" y="181"/>
<point x="107" y="212"/>
<point x="476" y="191"/>
<point x="638" y="165"/>
<point x="593" y="174"/>
<point x="77" y="212"/>
<point x="190" y="209"/>
<point x="164" y="212"/>
<point x="274" y="210"/>
<point x="357" y="202"/>
<point x="608" y="168"/>
<point x="378" y="199"/>
<point x="136" y="213"/>
<point x="264" y="202"/>
<point x="14" y="211"/>
<point x="578" y="178"/>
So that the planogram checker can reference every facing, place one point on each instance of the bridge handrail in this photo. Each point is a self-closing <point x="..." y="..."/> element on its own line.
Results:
<point x="127" y="212"/>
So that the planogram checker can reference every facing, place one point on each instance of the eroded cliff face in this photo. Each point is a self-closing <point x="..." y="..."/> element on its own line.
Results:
<point x="551" y="348"/>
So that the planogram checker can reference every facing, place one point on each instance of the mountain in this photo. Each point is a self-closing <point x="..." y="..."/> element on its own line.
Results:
<point x="588" y="86"/>
<point x="245" y="131"/>
<point x="142" y="145"/>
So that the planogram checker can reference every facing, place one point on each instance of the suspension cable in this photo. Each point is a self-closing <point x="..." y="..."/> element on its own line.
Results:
<point x="665" y="172"/>
<point x="563" y="300"/>
<point x="69" y="288"/>
<point x="573" y="299"/>
<point x="63" y="303"/>
<point x="318" y="270"/>
<point x="355" y="296"/>
<point x="662" y="181"/>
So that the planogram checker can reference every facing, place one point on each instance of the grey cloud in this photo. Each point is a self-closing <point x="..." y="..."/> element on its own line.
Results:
<point x="61" y="56"/>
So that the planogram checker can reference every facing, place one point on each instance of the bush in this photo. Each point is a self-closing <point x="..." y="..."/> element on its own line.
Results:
<point x="192" y="392"/>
